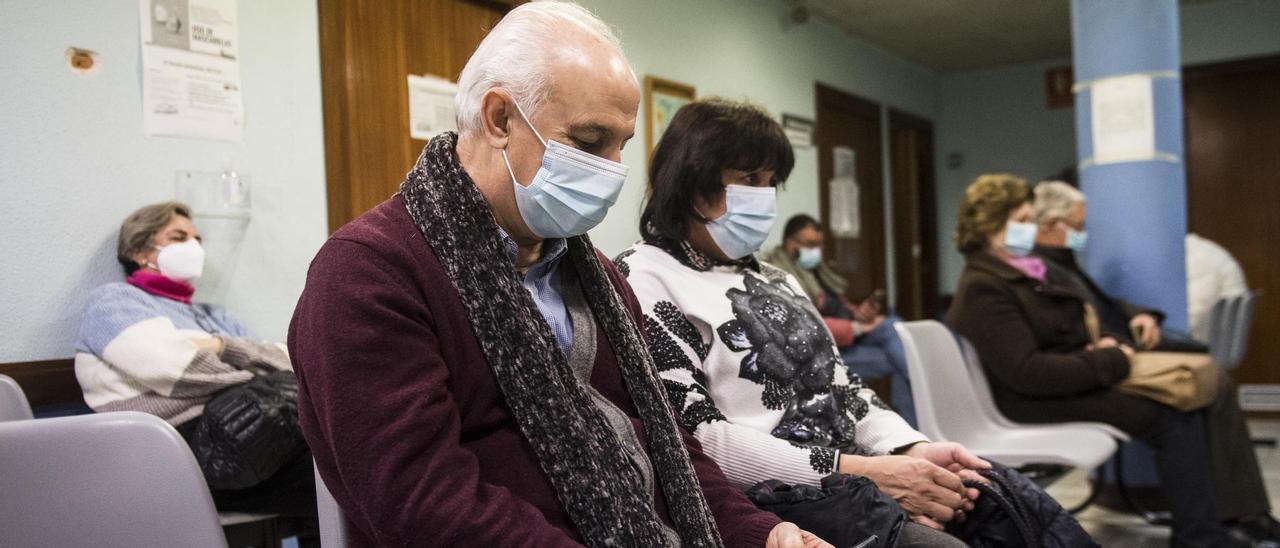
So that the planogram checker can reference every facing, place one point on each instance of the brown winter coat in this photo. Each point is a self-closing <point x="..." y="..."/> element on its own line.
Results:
<point x="1031" y="338"/>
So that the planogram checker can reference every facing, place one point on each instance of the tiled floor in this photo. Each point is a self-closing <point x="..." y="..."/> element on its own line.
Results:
<point x="1112" y="528"/>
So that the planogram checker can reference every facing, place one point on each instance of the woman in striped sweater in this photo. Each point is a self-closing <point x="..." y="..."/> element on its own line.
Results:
<point x="144" y="345"/>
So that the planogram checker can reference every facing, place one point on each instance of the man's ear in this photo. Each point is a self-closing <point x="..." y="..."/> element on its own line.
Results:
<point x="495" y="117"/>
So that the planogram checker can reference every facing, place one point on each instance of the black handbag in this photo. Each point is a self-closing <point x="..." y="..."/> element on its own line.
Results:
<point x="999" y="517"/>
<point x="249" y="431"/>
<point x="847" y="511"/>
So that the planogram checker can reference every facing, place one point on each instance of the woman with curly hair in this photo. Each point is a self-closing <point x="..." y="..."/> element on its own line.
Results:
<point x="746" y="359"/>
<point x="1027" y="322"/>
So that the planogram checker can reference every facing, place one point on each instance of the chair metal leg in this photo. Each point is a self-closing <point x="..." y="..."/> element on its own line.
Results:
<point x="1095" y="487"/>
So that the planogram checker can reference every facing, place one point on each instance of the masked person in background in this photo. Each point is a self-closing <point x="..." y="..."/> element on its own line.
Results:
<point x="144" y="345"/>
<point x="472" y="372"/>
<point x="744" y="356"/>
<point x="864" y="332"/>
<point x="1026" y="321"/>
<point x="1060" y="211"/>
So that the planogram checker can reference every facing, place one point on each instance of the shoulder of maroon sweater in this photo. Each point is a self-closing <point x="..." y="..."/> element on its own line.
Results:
<point x="386" y="228"/>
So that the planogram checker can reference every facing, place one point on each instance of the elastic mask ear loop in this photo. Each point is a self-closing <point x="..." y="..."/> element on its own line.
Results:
<point x="529" y="123"/>
<point x="507" y="161"/>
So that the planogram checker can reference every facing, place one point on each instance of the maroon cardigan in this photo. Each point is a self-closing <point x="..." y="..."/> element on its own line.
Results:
<point x="406" y="420"/>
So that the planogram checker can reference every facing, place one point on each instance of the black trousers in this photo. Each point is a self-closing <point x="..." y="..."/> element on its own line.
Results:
<point x="1235" y="463"/>
<point x="1207" y="467"/>
<point x="1184" y="466"/>
<point x="290" y="492"/>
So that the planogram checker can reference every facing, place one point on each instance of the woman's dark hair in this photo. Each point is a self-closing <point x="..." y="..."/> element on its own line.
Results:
<point x="705" y="138"/>
<point x="798" y="223"/>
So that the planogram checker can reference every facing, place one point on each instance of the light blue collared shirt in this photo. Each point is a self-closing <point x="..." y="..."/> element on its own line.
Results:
<point x="543" y="281"/>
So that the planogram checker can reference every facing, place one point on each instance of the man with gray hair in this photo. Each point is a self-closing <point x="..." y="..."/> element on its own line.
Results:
<point x="1060" y="213"/>
<point x="470" y="367"/>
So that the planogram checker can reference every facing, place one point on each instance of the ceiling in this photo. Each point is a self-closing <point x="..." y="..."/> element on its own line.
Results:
<point x="957" y="35"/>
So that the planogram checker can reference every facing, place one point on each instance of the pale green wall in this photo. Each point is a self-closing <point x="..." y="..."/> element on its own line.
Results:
<point x="74" y="163"/>
<point x="748" y="49"/>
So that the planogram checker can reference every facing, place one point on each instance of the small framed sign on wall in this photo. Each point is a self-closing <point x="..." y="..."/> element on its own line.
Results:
<point x="662" y="98"/>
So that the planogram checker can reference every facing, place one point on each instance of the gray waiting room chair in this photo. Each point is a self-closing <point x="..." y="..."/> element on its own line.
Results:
<point x="107" y="480"/>
<point x="1241" y="327"/>
<point x="13" y="402"/>
<point x="333" y="525"/>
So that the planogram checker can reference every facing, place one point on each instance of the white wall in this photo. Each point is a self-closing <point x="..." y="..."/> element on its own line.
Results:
<point x="997" y="117"/>
<point x="74" y="163"/>
<point x="748" y="49"/>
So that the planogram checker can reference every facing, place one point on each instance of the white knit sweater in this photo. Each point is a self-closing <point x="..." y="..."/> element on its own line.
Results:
<point x="752" y="369"/>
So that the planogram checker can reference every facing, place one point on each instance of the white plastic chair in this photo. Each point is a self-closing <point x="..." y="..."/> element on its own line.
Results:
<point x="121" y="479"/>
<point x="13" y="402"/>
<point x="948" y="409"/>
<point x="333" y="525"/>
<point x="982" y="388"/>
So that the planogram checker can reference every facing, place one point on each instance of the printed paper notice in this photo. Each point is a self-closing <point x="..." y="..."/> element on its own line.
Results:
<point x="431" y="106"/>
<point x="191" y="69"/>
<point x="1123" y="120"/>
<point x="846" y="222"/>
<point x="844" y="162"/>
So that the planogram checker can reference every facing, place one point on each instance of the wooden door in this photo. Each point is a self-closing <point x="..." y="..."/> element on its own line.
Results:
<point x="848" y="121"/>
<point x="914" y="220"/>
<point x="367" y="50"/>
<point x="1233" y="186"/>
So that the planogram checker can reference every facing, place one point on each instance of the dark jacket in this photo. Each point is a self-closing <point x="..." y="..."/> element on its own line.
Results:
<point x="991" y="525"/>
<point x="1113" y="313"/>
<point x="405" y="417"/>
<point x="1032" y="340"/>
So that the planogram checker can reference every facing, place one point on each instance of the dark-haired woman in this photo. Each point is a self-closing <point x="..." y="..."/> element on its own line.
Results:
<point x="746" y="359"/>
<point x="1027" y="323"/>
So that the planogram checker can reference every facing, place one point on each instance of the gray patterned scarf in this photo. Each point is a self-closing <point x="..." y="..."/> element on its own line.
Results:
<point x="597" y="485"/>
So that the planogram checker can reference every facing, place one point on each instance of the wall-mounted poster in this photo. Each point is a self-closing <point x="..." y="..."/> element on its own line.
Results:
<point x="1123" y="119"/>
<point x="662" y="98"/>
<point x="844" y="203"/>
<point x="190" y="69"/>
<point x="431" y="106"/>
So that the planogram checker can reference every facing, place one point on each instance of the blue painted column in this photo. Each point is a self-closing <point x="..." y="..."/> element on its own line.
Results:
<point x="1137" y="218"/>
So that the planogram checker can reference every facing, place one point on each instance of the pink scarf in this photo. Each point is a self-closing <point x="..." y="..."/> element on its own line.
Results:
<point x="158" y="284"/>
<point x="1030" y="265"/>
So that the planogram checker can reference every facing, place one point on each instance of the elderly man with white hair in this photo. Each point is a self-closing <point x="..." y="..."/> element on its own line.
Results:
<point x="1060" y="215"/>
<point x="1242" y="502"/>
<point x="470" y="368"/>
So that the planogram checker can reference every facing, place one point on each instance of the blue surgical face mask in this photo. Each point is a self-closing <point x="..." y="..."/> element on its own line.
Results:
<point x="1076" y="239"/>
<point x="1019" y="238"/>
<point x="572" y="191"/>
<point x="809" y="257"/>
<point x="748" y="216"/>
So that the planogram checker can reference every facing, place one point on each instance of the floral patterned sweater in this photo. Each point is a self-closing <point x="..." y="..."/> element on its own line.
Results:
<point x="752" y="370"/>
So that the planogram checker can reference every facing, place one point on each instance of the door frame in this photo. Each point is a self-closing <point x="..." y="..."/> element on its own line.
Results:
<point x="927" y="303"/>
<point x="870" y="173"/>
